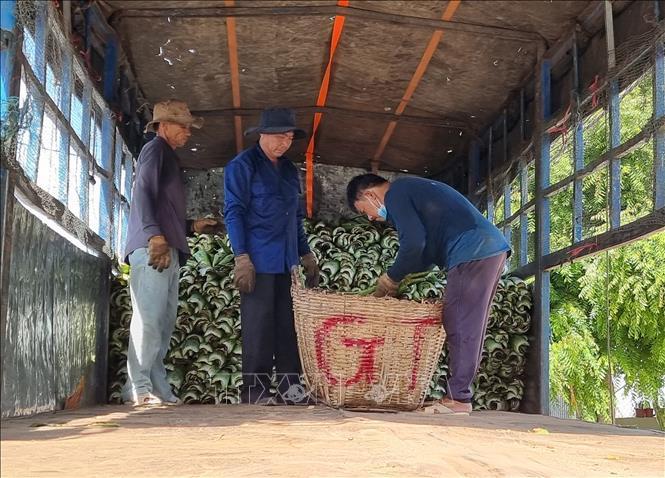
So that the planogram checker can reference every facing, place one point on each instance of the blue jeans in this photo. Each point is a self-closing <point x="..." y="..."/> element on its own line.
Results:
<point x="155" y="306"/>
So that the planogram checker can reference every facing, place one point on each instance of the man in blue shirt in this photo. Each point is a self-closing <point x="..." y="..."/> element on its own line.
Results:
<point x="263" y="214"/>
<point x="438" y="226"/>
<point x="156" y="248"/>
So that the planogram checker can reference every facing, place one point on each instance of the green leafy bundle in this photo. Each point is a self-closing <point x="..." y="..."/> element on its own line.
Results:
<point x="204" y="360"/>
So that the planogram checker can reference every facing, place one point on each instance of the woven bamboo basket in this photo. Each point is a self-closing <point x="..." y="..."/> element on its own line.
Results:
<point x="366" y="353"/>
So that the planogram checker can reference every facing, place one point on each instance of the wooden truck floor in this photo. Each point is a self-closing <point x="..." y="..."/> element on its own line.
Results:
<point x="235" y="441"/>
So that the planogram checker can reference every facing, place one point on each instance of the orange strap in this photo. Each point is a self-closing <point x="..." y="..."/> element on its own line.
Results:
<point x="338" y="26"/>
<point x="448" y="14"/>
<point x="235" y="75"/>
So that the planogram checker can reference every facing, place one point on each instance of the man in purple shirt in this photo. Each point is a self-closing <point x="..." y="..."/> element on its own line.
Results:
<point x="156" y="248"/>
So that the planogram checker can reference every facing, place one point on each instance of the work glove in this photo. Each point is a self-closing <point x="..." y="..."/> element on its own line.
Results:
<point x="159" y="253"/>
<point x="386" y="287"/>
<point x="311" y="270"/>
<point x="244" y="274"/>
<point x="206" y="226"/>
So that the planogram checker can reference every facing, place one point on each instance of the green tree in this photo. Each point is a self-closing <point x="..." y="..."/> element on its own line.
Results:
<point x="631" y="285"/>
<point x="634" y="294"/>
<point x="577" y="366"/>
<point x="635" y="298"/>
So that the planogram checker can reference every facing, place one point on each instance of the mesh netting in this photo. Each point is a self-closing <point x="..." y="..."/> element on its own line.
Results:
<point x="59" y="133"/>
<point x="634" y="58"/>
<point x="521" y="208"/>
<point x="627" y="90"/>
<point x="630" y="86"/>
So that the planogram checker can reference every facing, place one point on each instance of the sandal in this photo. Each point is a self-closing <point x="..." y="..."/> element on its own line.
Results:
<point x="146" y="400"/>
<point x="440" y="409"/>
<point x="173" y="401"/>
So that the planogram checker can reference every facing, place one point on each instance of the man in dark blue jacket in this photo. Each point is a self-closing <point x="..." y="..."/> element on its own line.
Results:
<point x="439" y="226"/>
<point x="263" y="214"/>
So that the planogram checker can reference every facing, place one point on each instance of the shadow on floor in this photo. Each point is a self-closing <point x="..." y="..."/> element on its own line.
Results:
<point x="69" y="424"/>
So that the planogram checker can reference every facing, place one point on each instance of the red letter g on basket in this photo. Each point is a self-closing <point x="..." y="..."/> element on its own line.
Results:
<point x="368" y="348"/>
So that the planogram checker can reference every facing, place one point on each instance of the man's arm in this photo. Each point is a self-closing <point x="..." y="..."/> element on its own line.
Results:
<point x="412" y="237"/>
<point x="303" y="245"/>
<point x="237" y="195"/>
<point x="146" y="190"/>
<point x="204" y="225"/>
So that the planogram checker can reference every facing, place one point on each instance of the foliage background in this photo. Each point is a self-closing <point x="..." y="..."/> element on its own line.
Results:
<point x="629" y="282"/>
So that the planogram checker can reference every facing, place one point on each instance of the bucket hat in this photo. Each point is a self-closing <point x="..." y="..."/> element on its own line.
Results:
<point x="277" y="120"/>
<point x="173" y="111"/>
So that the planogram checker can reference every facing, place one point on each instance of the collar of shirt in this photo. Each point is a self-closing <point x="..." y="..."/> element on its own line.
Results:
<point x="171" y="151"/>
<point x="264" y="156"/>
<point x="162" y="140"/>
<point x="389" y="217"/>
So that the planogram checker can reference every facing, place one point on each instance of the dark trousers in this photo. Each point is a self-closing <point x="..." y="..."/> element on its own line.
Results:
<point x="268" y="337"/>
<point x="469" y="293"/>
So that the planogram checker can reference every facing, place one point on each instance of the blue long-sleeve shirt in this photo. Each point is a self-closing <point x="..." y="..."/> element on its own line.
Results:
<point x="437" y="225"/>
<point x="263" y="211"/>
<point x="158" y="200"/>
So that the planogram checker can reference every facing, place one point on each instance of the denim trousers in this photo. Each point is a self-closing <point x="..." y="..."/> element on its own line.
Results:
<point x="154" y="297"/>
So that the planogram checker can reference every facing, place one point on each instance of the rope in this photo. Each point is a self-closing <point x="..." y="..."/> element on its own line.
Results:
<point x="594" y="88"/>
<point x="609" y="341"/>
<point x="608" y="265"/>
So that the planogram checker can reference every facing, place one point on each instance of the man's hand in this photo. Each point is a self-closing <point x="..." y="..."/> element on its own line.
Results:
<point x="386" y="287"/>
<point x="244" y="274"/>
<point x="159" y="253"/>
<point x="311" y="270"/>
<point x="206" y="226"/>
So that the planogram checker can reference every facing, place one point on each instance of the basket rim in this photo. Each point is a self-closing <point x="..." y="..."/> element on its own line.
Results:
<point x="298" y="288"/>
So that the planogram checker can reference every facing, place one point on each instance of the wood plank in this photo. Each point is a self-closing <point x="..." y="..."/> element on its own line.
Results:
<point x="331" y="10"/>
<point x="473" y="171"/>
<point x="432" y="121"/>
<point x="659" y="116"/>
<point x="537" y="383"/>
<point x="627" y="233"/>
<point x="524" y="224"/>
<point x="578" y="149"/>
